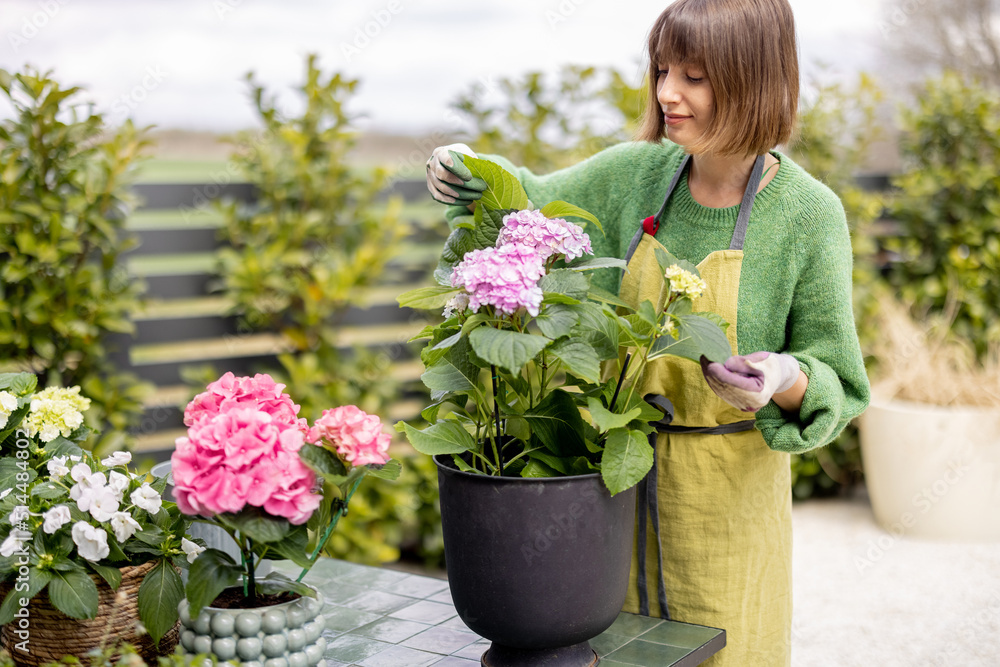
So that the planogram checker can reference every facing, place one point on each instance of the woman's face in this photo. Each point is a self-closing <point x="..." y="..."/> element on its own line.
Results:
<point x="687" y="101"/>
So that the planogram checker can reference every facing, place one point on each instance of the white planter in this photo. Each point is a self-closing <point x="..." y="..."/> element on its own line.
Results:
<point x="933" y="471"/>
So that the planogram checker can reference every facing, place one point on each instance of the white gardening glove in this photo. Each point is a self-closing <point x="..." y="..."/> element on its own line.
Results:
<point x="748" y="382"/>
<point x="450" y="181"/>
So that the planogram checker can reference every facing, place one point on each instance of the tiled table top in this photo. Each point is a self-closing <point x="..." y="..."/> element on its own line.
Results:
<point x="383" y="618"/>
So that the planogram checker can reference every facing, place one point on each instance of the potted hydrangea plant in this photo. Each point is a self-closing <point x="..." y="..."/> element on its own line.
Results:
<point x="536" y="426"/>
<point x="277" y="486"/>
<point x="88" y="548"/>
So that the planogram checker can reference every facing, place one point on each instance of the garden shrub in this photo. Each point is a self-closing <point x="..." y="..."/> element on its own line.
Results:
<point x="545" y="124"/>
<point x="64" y="197"/>
<point x="298" y="258"/>
<point x="949" y="206"/>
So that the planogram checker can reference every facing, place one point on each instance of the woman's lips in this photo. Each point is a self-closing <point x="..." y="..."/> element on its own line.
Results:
<point x="674" y="120"/>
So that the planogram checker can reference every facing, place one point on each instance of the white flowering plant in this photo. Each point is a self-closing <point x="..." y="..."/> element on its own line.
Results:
<point x="65" y="514"/>
<point x="533" y="370"/>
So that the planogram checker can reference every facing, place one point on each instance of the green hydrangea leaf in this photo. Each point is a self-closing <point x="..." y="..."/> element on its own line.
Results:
<point x="626" y="460"/>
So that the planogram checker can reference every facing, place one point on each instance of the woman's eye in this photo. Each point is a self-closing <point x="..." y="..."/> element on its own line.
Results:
<point x="695" y="79"/>
<point x="661" y="72"/>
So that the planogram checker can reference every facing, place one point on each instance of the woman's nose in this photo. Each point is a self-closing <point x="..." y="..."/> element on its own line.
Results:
<point x="666" y="91"/>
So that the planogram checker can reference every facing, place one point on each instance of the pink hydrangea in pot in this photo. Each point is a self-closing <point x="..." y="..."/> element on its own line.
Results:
<point x="250" y="465"/>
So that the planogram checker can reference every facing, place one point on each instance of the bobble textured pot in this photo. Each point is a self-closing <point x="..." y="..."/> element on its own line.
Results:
<point x="282" y="635"/>
<point x="537" y="566"/>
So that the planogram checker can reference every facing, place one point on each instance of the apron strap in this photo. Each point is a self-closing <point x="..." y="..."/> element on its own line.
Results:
<point x="664" y="424"/>
<point x="646" y="494"/>
<point x="743" y="218"/>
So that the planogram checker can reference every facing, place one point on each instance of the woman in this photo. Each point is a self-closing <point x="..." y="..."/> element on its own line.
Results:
<point x="714" y="530"/>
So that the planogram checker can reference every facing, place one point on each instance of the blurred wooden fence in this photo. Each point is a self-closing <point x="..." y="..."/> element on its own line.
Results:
<point x="186" y="323"/>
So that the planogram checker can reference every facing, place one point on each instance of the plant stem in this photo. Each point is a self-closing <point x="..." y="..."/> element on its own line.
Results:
<point x="621" y="378"/>
<point x="341" y="510"/>
<point x="496" y="417"/>
<point x="250" y="570"/>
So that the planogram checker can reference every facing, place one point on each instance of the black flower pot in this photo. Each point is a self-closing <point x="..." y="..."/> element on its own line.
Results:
<point x="537" y="566"/>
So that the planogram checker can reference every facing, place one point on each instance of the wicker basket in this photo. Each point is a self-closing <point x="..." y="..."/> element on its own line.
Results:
<point x="52" y="634"/>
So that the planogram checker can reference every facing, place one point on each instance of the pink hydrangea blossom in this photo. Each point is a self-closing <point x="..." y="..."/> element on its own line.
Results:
<point x="548" y="236"/>
<point x="356" y="435"/>
<point x="260" y="392"/>
<point x="505" y="277"/>
<point x="244" y="455"/>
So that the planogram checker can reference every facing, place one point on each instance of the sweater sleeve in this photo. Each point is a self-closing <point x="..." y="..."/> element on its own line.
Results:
<point x="823" y="338"/>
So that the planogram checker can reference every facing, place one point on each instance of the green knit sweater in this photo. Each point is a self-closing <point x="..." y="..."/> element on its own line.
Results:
<point x="795" y="286"/>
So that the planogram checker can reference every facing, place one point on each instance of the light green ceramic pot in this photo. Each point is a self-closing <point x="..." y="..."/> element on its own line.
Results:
<point x="282" y="635"/>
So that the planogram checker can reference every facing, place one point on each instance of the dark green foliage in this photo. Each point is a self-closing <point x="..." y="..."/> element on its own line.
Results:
<point x="949" y="205"/>
<point x="64" y="197"/>
<point x="311" y="244"/>
<point x="544" y="124"/>
<point x="303" y="254"/>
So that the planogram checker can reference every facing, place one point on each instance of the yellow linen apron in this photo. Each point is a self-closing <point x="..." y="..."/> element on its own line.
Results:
<point x="716" y="505"/>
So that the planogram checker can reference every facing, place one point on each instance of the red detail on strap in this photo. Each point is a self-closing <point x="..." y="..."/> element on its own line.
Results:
<point x="650" y="225"/>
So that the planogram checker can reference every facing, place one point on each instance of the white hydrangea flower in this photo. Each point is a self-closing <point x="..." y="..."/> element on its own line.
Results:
<point x="117" y="459"/>
<point x="103" y="503"/>
<point x="74" y="458"/>
<point x="80" y="472"/>
<point x="57" y="467"/>
<point x="8" y="403"/>
<point x="684" y="282"/>
<point x="124" y="525"/>
<point x="669" y="327"/>
<point x="145" y="497"/>
<point x="91" y="543"/>
<point x="457" y="304"/>
<point x="56" y="411"/>
<point x="19" y="514"/>
<point x="91" y="482"/>
<point x="191" y="549"/>
<point x="55" y="518"/>
<point x="14" y="543"/>
<point x="118" y="482"/>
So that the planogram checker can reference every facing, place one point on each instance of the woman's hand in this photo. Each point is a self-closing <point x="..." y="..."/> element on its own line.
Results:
<point x="748" y="382"/>
<point x="449" y="180"/>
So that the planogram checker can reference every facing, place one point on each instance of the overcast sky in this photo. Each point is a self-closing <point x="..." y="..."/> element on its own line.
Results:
<point x="181" y="63"/>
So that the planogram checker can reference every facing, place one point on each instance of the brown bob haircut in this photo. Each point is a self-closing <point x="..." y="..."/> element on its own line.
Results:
<point x="747" y="50"/>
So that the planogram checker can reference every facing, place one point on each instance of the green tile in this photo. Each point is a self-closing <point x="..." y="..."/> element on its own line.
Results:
<point x="455" y="623"/>
<point x="378" y="602"/>
<point x="680" y="634"/>
<point x="338" y="593"/>
<point x="452" y="661"/>
<point x="328" y="568"/>
<point x="400" y="656"/>
<point x="441" y="640"/>
<point x="344" y="619"/>
<point x="632" y="625"/>
<point x="353" y="648"/>
<point x="647" y="654"/>
<point x="371" y="577"/>
<point x="608" y="642"/>
<point x="444" y="596"/>
<point x="416" y="586"/>
<point x="474" y="651"/>
<point x="423" y="611"/>
<point x="392" y="630"/>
